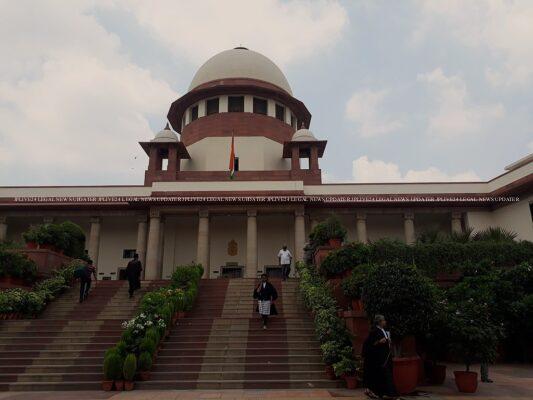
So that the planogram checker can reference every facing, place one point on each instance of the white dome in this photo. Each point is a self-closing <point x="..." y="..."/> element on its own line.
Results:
<point x="240" y="63"/>
<point x="166" y="135"/>
<point x="303" y="135"/>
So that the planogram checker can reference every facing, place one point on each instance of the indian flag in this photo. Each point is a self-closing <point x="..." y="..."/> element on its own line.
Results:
<point x="232" y="158"/>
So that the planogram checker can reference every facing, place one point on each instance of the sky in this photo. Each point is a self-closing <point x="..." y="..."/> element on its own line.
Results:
<point x="404" y="91"/>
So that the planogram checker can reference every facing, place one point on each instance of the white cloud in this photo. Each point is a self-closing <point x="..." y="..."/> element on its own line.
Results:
<point x="366" y="171"/>
<point x="365" y="109"/>
<point x="282" y="30"/>
<point x="456" y="115"/>
<point x="503" y="27"/>
<point x="72" y="106"/>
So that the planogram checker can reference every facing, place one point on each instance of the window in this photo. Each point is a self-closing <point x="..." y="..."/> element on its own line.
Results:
<point x="280" y="112"/>
<point x="293" y="121"/>
<point x="194" y="113"/>
<point x="236" y="104"/>
<point x="236" y="163"/>
<point x="211" y="106"/>
<point x="260" y="106"/>
<point x="128" y="253"/>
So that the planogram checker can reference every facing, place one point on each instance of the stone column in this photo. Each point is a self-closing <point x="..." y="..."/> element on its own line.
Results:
<point x="295" y="158"/>
<point x="299" y="235"/>
<point x="153" y="246"/>
<point x="140" y="248"/>
<point x="361" y="227"/>
<point x="94" y="240"/>
<point x="3" y="228"/>
<point x="251" y="245"/>
<point x="409" y="227"/>
<point x="161" y="249"/>
<point x="456" y="222"/>
<point x="202" y="249"/>
<point x="313" y="159"/>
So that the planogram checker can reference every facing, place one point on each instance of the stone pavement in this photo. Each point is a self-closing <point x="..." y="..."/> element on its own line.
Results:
<point x="512" y="382"/>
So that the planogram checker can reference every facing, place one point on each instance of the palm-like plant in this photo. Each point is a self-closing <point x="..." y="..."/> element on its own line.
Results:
<point x="495" y="234"/>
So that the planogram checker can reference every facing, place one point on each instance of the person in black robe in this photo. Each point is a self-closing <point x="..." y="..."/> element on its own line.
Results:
<point x="266" y="294"/>
<point x="377" y="355"/>
<point x="133" y="273"/>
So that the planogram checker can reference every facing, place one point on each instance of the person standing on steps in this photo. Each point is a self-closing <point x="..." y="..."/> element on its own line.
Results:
<point x="265" y="293"/>
<point x="133" y="273"/>
<point x="85" y="276"/>
<point x="285" y="258"/>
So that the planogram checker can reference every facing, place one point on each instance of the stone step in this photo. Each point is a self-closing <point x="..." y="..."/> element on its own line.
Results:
<point x="230" y="375"/>
<point x="248" y="366"/>
<point x="230" y="351"/>
<point x="238" y="384"/>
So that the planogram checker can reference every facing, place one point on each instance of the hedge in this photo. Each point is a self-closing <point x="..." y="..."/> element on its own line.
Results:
<point x="143" y="333"/>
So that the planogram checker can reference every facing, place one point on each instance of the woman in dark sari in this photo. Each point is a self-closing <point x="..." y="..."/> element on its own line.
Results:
<point x="378" y="361"/>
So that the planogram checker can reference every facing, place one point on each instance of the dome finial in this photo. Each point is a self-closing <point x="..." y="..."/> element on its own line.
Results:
<point x="302" y="126"/>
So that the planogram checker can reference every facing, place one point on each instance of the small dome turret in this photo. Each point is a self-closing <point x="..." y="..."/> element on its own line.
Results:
<point x="303" y="135"/>
<point x="165" y="135"/>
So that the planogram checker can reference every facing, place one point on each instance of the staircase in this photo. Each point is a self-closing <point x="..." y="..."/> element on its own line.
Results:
<point x="63" y="349"/>
<point x="221" y="343"/>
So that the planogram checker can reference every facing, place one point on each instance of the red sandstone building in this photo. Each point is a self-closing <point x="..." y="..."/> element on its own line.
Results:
<point x="189" y="210"/>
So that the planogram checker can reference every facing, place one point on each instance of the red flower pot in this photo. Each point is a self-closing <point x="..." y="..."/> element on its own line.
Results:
<point x="335" y="242"/>
<point x="437" y="374"/>
<point x="46" y="246"/>
<point x="466" y="381"/>
<point x="357" y="305"/>
<point x="129" y="385"/>
<point x="330" y="372"/>
<point x="405" y="373"/>
<point x="351" y="381"/>
<point x="145" y="375"/>
<point x="107" y="385"/>
<point x="31" y="245"/>
<point x="119" y="385"/>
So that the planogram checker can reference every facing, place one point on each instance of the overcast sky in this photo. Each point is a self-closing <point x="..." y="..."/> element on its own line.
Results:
<point x="402" y="90"/>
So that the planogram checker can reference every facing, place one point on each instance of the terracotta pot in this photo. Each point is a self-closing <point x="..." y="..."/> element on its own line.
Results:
<point x="145" y="375"/>
<point x="357" y="305"/>
<point x="31" y="245"/>
<point x="405" y="373"/>
<point x="330" y="372"/>
<point x="437" y="374"/>
<point x="408" y="346"/>
<point x="129" y="385"/>
<point x="466" y="381"/>
<point x="107" y="385"/>
<point x="119" y="385"/>
<point x="351" y="381"/>
<point x="45" y="246"/>
<point x="335" y="242"/>
<point x="181" y="314"/>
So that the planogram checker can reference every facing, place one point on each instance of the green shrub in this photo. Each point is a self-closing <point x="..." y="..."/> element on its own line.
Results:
<point x="407" y="298"/>
<point x="346" y="366"/>
<point x="187" y="275"/>
<point x="333" y="351"/>
<point x="74" y="245"/>
<point x="113" y="367"/>
<point x="331" y="228"/>
<point x="17" y="265"/>
<point x="345" y="258"/>
<point x="148" y="345"/>
<point x="153" y="334"/>
<point x="145" y="361"/>
<point x="130" y="367"/>
<point x="353" y="285"/>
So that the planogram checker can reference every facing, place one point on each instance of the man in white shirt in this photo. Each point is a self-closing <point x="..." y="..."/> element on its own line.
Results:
<point x="285" y="258"/>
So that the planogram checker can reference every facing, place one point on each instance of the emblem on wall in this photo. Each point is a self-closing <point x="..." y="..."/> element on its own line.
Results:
<point x="233" y="248"/>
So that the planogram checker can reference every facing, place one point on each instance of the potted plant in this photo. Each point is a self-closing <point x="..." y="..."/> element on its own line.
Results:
<point x="346" y="368"/>
<point x="332" y="352"/>
<point x="353" y="285"/>
<point x="112" y="370"/>
<point x="329" y="232"/>
<point x="144" y="364"/>
<point x="474" y="337"/>
<point x="31" y="236"/>
<point x="409" y="301"/>
<point x="128" y="370"/>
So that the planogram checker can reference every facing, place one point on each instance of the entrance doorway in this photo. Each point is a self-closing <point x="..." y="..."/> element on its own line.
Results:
<point x="232" y="270"/>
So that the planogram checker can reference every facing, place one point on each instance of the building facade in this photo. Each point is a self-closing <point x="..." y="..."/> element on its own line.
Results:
<point x="189" y="210"/>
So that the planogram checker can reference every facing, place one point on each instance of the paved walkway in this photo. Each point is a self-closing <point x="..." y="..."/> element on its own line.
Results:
<point x="511" y="382"/>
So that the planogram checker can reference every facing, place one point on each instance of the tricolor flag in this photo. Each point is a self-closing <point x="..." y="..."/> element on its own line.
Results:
<point x="232" y="158"/>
